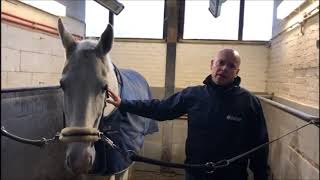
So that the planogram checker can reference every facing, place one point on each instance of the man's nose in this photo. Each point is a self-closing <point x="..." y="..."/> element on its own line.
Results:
<point x="225" y="67"/>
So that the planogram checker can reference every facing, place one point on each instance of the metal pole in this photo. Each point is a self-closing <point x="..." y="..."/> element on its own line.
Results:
<point x="290" y="110"/>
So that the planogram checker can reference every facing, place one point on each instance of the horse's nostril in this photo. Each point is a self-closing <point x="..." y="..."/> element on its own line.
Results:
<point x="90" y="160"/>
<point x="68" y="162"/>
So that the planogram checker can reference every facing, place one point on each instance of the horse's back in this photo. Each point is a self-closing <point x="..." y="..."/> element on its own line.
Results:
<point x="134" y="86"/>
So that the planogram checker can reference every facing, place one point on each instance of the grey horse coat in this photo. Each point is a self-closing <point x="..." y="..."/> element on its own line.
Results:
<point x="124" y="129"/>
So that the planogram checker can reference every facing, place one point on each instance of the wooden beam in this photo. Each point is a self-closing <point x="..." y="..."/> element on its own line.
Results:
<point x="171" y="37"/>
<point x="111" y="18"/>
<point x="241" y="19"/>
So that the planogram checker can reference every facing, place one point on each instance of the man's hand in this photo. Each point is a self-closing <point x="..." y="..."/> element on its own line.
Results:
<point x="116" y="100"/>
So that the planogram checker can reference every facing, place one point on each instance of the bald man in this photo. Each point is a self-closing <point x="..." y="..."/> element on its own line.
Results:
<point x="224" y="121"/>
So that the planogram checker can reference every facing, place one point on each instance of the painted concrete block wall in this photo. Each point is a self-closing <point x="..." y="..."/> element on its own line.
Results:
<point x="293" y="67"/>
<point x="293" y="77"/>
<point x="30" y="57"/>
<point x="147" y="58"/>
<point x="193" y="64"/>
<point x="73" y="23"/>
<point x="297" y="155"/>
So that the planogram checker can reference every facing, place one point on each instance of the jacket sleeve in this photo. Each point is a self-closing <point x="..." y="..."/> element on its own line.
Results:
<point x="167" y="109"/>
<point x="259" y="159"/>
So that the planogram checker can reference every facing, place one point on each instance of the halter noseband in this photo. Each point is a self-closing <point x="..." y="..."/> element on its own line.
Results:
<point x="79" y="134"/>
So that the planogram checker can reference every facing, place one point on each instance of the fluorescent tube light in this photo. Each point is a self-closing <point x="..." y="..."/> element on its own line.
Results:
<point x="112" y="5"/>
<point x="286" y="7"/>
<point x="215" y="7"/>
<point x="49" y="6"/>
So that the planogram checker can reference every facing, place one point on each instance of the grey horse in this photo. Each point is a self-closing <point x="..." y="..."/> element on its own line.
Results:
<point x="87" y="75"/>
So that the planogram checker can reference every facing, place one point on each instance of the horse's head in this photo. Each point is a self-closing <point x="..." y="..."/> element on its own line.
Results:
<point x="84" y="82"/>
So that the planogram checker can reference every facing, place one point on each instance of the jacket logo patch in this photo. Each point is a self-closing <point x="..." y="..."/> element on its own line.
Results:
<point x="233" y="118"/>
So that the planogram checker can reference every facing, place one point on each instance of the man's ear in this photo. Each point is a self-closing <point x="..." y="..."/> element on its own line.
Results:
<point x="212" y="61"/>
<point x="237" y="73"/>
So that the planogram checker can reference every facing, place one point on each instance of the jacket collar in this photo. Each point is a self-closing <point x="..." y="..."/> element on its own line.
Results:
<point x="208" y="81"/>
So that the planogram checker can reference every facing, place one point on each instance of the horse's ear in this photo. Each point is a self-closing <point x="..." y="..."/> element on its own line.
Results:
<point x="105" y="42"/>
<point x="67" y="40"/>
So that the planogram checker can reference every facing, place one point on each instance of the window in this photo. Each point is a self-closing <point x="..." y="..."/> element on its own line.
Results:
<point x="97" y="19"/>
<point x="140" y="19"/>
<point x="286" y="7"/>
<point x="144" y="19"/>
<point x="200" y="24"/>
<point x="258" y="20"/>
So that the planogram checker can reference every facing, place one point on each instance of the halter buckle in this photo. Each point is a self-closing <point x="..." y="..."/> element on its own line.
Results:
<point x="211" y="166"/>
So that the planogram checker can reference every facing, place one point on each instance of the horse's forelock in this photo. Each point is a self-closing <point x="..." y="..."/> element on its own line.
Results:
<point x="79" y="54"/>
<point x="87" y="45"/>
<point x="82" y="59"/>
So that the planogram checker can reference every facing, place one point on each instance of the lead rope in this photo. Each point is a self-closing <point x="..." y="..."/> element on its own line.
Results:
<point x="35" y="142"/>
<point x="131" y="155"/>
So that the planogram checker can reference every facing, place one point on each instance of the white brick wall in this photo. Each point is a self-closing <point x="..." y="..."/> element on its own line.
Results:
<point x="147" y="58"/>
<point x="193" y="62"/>
<point x="293" y="74"/>
<point x="293" y="71"/>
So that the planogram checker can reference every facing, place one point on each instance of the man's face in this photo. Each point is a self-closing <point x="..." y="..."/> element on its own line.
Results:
<point x="224" y="68"/>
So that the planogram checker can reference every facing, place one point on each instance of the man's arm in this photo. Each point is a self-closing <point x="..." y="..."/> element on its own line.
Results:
<point x="259" y="159"/>
<point x="169" y="108"/>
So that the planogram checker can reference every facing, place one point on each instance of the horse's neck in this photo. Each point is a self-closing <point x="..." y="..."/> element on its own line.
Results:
<point x="112" y="84"/>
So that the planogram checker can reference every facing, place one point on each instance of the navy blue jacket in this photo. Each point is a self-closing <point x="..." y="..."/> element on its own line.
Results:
<point x="223" y="122"/>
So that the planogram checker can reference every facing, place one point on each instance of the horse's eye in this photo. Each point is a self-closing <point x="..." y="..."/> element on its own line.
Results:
<point x="105" y="87"/>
